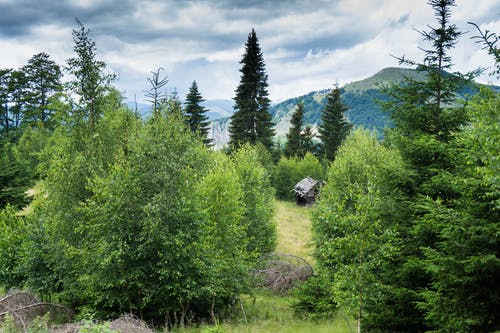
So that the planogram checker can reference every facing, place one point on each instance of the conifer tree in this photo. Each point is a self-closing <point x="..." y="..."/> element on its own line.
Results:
<point x="294" y="138"/>
<point x="251" y="122"/>
<point x="195" y="113"/>
<point x="308" y="145"/>
<point x="426" y="117"/>
<point x="19" y="94"/>
<point x="43" y="77"/>
<point x="334" y="127"/>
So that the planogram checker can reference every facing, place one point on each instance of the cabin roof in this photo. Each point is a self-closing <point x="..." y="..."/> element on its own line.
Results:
<point x="305" y="185"/>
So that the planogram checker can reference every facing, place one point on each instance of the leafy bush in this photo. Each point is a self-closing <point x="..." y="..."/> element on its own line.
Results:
<point x="13" y="233"/>
<point x="289" y="171"/>
<point x="258" y="200"/>
<point x="314" y="297"/>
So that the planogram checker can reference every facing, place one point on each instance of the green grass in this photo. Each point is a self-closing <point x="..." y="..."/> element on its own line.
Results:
<point x="294" y="230"/>
<point x="269" y="313"/>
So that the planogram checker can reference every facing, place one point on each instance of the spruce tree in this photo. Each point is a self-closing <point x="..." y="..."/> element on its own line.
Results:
<point x="426" y="117"/>
<point x="195" y="113"/>
<point x="334" y="127"/>
<point x="294" y="138"/>
<point x="308" y="145"/>
<point x="251" y="122"/>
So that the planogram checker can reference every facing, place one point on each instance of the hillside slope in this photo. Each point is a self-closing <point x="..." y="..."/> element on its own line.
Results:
<point x="360" y="97"/>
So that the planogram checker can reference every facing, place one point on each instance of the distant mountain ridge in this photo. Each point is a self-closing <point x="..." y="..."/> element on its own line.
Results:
<point x="359" y="96"/>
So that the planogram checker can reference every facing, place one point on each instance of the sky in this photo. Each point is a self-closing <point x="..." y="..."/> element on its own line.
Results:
<point x="307" y="45"/>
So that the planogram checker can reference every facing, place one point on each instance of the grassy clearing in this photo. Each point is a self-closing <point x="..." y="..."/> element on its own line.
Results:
<point x="294" y="230"/>
<point x="269" y="313"/>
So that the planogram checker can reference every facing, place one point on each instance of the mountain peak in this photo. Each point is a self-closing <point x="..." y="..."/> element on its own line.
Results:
<point x="384" y="76"/>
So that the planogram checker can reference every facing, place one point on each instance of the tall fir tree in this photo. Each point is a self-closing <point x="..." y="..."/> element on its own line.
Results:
<point x="334" y="126"/>
<point x="251" y="122"/>
<point x="195" y="113"/>
<point x="426" y="116"/>
<point x="308" y="144"/>
<point x="294" y="139"/>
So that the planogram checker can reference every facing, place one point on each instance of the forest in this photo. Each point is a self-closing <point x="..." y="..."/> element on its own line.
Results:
<point x="105" y="213"/>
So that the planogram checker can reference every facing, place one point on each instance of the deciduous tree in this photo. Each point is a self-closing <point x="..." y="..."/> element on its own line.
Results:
<point x="90" y="81"/>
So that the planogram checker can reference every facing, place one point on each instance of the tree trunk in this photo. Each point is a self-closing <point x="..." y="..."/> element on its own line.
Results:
<point x="359" y="320"/>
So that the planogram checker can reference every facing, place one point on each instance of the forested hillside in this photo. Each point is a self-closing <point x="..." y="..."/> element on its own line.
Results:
<point x="361" y="98"/>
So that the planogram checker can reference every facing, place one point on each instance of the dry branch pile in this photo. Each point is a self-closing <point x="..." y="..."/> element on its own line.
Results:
<point x="130" y="324"/>
<point x="280" y="272"/>
<point x="24" y="307"/>
<point x="125" y="324"/>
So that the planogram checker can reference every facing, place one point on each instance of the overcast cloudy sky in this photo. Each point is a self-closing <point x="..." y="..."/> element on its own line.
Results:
<point x="307" y="45"/>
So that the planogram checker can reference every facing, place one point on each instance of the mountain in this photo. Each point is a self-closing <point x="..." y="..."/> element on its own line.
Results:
<point x="360" y="97"/>
<point x="219" y="108"/>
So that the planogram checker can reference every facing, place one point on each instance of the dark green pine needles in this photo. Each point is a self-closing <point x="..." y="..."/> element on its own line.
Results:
<point x="251" y="122"/>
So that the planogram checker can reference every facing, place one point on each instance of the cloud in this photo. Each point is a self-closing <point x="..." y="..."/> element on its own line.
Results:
<point x="307" y="45"/>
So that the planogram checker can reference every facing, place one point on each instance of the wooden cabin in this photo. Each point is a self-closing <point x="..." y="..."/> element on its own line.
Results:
<point x="307" y="190"/>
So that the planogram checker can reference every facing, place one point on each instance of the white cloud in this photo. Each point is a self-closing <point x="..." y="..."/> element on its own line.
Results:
<point x="307" y="46"/>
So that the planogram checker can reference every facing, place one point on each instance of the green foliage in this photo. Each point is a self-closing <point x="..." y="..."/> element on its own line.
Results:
<point x="130" y="229"/>
<point x="90" y="81"/>
<point x="314" y="297"/>
<point x="464" y="262"/>
<point x="251" y="122"/>
<point x="196" y="117"/>
<point x="289" y="171"/>
<point x="14" y="176"/>
<point x="43" y="79"/>
<point x="438" y="262"/>
<point x="13" y="232"/>
<point x="227" y="240"/>
<point x="31" y="145"/>
<point x="91" y="327"/>
<point x="294" y="139"/>
<point x="8" y="325"/>
<point x="258" y="199"/>
<point x="354" y="225"/>
<point x="334" y="127"/>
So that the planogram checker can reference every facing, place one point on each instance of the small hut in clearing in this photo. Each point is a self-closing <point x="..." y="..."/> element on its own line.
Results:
<point x="307" y="190"/>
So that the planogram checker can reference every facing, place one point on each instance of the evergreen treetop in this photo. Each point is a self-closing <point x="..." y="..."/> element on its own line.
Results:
<point x="294" y="138"/>
<point x="251" y="122"/>
<point x="195" y="113"/>
<point x="334" y="127"/>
